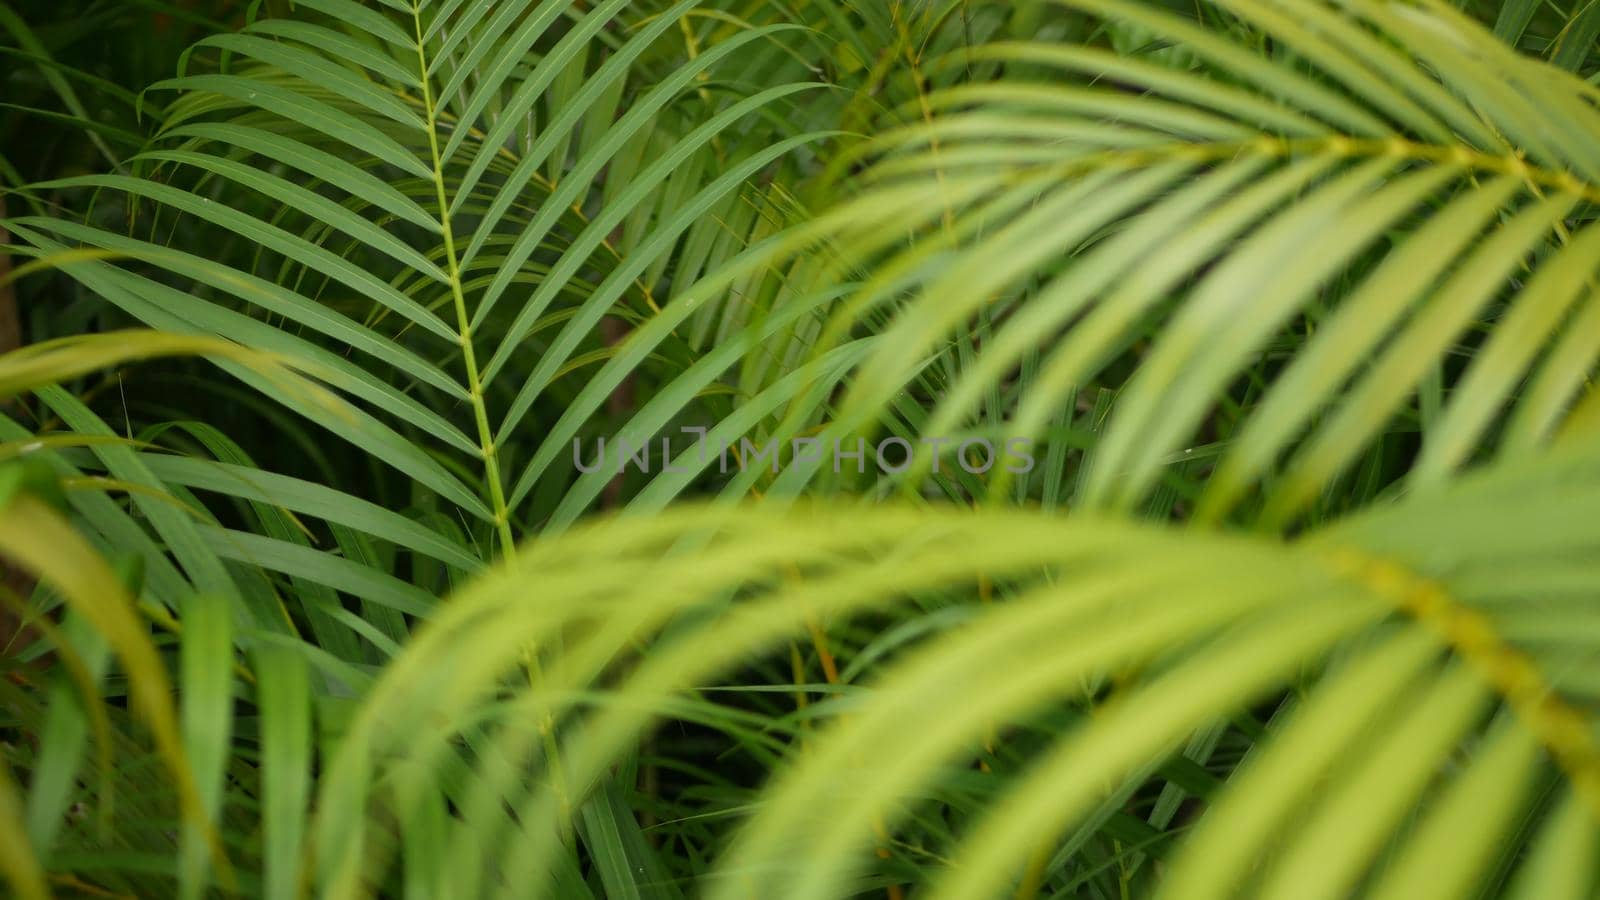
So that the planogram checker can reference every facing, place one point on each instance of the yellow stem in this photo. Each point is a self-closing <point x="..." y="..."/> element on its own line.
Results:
<point x="1564" y="731"/>
<point x="480" y="412"/>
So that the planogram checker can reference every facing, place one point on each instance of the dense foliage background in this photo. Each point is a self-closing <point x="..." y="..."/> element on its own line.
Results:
<point x="315" y="313"/>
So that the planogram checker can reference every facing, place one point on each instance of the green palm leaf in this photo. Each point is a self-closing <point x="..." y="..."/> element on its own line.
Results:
<point x="1311" y="283"/>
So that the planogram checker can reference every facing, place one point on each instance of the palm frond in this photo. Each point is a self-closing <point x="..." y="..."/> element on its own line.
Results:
<point x="1309" y="283"/>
